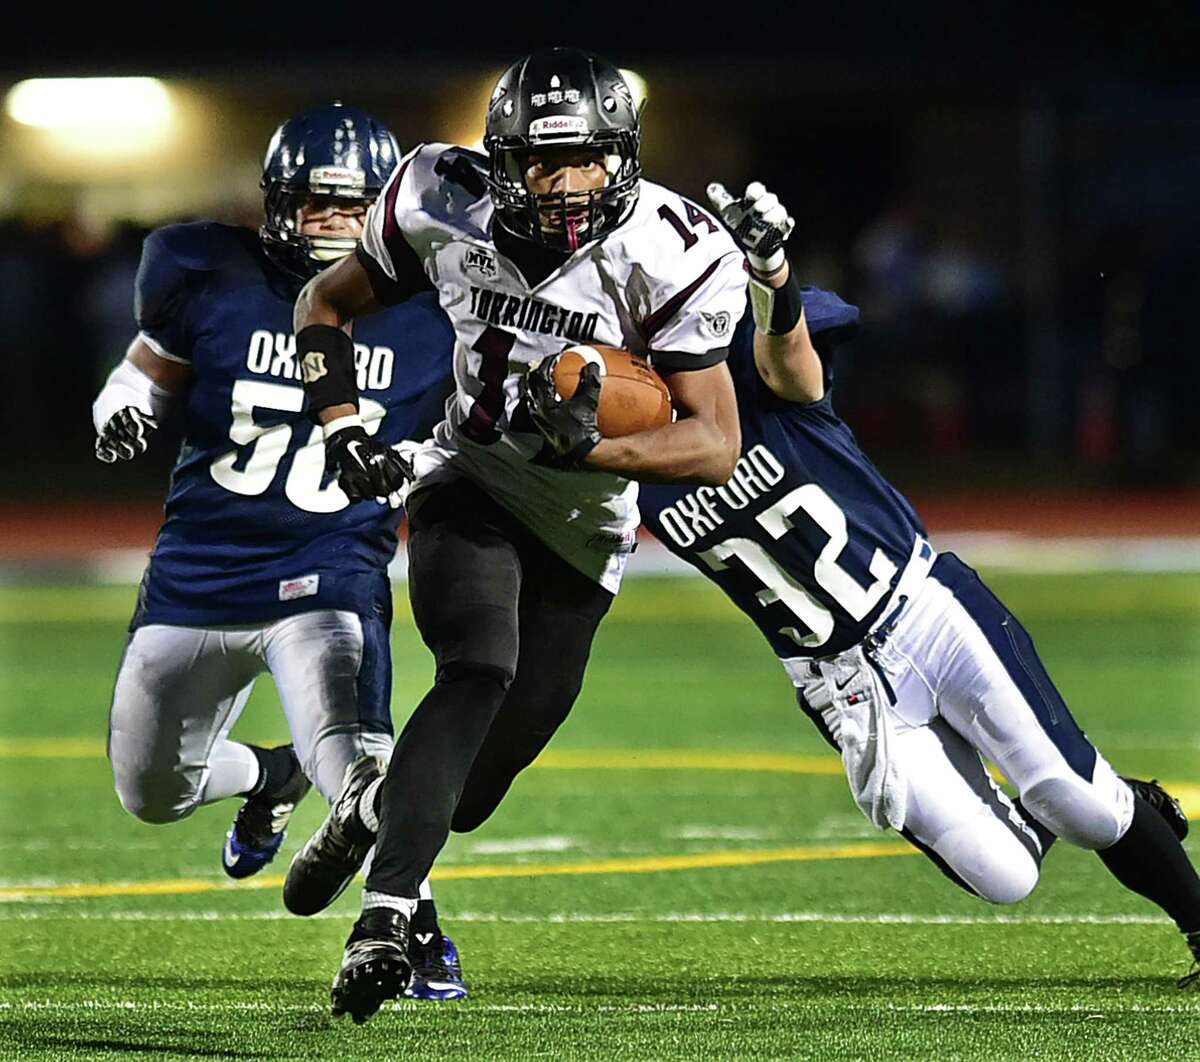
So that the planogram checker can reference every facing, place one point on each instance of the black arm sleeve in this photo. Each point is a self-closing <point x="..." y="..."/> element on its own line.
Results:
<point x="410" y="275"/>
<point x="665" y="361"/>
<point x="326" y="358"/>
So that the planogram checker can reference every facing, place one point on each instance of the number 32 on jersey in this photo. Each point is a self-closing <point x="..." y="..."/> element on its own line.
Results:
<point x="779" y="586"/>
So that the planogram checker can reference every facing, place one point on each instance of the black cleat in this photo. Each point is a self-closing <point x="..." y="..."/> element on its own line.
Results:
<point x="1162" y="802"/>
<point x="323" y="868"/>
<point x="261" y="824"/>
<point x="376" y="966"/>
<point x="1192" y="978"/>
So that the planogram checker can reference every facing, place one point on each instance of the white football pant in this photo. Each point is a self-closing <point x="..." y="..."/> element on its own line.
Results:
<point x="957" y="680"/>
<point x="180" y="690"/>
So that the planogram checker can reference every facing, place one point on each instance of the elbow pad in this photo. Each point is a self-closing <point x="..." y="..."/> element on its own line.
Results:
<point x="127" y="386"/>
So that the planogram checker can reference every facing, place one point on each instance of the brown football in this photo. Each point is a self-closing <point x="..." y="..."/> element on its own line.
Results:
<point x="633" y="396"/>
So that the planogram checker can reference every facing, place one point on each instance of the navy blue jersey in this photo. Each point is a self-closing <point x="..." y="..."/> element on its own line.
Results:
<point x="255" y="529"/>
<point x="807" y="538"/>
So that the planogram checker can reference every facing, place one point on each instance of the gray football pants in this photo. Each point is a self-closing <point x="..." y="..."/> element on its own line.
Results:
<point x="180" y="690"/>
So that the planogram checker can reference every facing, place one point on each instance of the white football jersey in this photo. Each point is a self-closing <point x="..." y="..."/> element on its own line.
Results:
<point x="668" y="283"/>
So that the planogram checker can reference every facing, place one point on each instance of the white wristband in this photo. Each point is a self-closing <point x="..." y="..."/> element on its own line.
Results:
<point x="353" y="420"/>
<point x="128" y="386"/>
<point x="766" y="266"/>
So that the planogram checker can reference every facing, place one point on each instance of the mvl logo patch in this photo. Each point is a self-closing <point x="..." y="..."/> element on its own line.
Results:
<point x="478" y="260"/>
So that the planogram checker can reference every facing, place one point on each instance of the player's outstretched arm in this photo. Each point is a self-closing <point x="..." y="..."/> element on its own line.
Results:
<point x="324" y="310"/>
<point x="701" y="446"/>
<point x="327" y="304"/>
<point x="139" y="393"/>
<point x="783" y="350"/>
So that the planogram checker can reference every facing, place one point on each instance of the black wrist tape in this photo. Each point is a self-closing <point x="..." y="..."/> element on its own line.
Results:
<point x="326" y="358"/>
<point x="776" y="310"/>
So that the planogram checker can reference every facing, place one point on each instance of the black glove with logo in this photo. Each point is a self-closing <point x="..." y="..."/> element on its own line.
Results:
<point x="125" y="436"/>
<point x="365" y="467"/>
<point x="569" y="424"/>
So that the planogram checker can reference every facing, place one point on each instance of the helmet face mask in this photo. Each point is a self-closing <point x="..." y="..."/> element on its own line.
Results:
<point x="332" y="156"/>
<point x="568" y="105"/>
<point x="323" y="228"/>
<point x="564" y="192"/>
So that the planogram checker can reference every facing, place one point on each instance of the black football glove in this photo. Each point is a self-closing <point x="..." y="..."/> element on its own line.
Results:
<point x="125" y="436"/>
<point x="365" y="467"/>
<point x="569" y="425"/>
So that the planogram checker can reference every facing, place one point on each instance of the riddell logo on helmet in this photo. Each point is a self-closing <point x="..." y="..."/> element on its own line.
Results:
<point x="339" y="176"/>
<point x="559" y="123"/>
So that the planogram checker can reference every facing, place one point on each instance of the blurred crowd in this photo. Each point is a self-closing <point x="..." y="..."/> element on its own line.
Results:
<point x="955" y="358"/>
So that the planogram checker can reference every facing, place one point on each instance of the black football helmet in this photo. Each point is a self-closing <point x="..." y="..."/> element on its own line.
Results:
<point x="335" y="153"/>
<point x="562" y="97"/>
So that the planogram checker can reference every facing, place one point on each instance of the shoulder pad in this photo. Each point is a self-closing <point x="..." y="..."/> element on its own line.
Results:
<point x="435" y="192"/>
<point x="672" y="239"/>
<point x="164" y="289"/>
<point x="826" y="311"/>
<point x="198" y="246"/>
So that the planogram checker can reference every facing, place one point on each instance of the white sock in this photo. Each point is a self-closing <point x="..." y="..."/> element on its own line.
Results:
<point x="402" y="904"/>
<point x="366" y="806"/>
<point x="232" y="771"/>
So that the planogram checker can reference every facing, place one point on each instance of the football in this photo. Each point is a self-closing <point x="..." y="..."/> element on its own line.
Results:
<point x="633" y="397"/>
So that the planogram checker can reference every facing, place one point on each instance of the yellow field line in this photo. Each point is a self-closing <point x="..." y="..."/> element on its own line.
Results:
<point x="51" y="749"/>
<point x="564" y="759"/>
<point x="685" y="759"/>
<point x="1187" y="793"/>
<point x="633" y="865"/>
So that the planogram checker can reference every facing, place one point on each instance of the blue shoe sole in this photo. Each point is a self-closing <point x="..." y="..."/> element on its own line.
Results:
<point x="436" y="995"/>
<point x="247" y="861"/>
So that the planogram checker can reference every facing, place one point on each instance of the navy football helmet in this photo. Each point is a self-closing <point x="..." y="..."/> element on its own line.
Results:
<point x="562" y="97"/>
<point x="332" y="154"/>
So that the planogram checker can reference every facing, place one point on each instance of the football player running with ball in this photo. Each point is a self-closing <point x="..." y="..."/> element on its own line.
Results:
<point x="262" y="563"/>
<point x="522" y="515"/>
<point x="903" y="658"/>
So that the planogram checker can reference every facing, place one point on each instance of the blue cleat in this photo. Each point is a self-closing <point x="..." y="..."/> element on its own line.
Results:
<point x="437" y="972"/>
<point x="261" y="825"/>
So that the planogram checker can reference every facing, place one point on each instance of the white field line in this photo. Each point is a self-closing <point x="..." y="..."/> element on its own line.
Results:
<point x="1114" y="1009"/>
<point x="570" y="918"/>
<point x="186" y="1006"/>
<point x="521" y="845"/>
<point x="986" y="549"/>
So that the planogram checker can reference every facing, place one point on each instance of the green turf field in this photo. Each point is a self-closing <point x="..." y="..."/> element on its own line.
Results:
<point x="684" y="876"/>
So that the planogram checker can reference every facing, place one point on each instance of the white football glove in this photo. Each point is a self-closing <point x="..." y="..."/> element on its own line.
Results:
<point x="758" y="221"/>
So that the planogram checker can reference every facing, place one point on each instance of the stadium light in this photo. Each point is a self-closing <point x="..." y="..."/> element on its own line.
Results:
<point x="94" y="121"/>
<point x="139" y="106"/>
<point x="637" y="86"/>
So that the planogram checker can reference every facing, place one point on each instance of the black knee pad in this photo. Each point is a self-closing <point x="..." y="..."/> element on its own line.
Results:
<point x="469" y="671"/>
